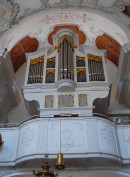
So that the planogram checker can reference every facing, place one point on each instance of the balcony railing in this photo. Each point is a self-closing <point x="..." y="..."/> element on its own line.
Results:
<point x="101" y="116"/>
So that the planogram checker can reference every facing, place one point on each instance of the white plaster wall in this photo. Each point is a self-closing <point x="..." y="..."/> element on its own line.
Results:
<point x="112" y="78"/>
<point x="19" y="113"/>
<point x="76" y="138"/>
<point x="8" y="151"/>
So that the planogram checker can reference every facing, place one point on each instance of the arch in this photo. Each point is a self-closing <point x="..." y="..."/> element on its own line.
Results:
<point x="46" y="19"/>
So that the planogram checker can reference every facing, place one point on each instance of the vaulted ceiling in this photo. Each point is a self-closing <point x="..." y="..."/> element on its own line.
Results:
<point x="13" y="11"/>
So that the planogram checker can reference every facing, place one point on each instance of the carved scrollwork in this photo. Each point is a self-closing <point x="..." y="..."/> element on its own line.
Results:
<point x="27" y="136"/>
<point x="107" y="134"/>
<point x="53" y="3"/>
<point x="37" y="60"/>
<point x="8" y="12"/>
<point x="94" y="57"/>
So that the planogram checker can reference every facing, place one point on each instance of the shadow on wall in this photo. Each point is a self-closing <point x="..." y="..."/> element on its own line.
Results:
<point x="32" y="107"/>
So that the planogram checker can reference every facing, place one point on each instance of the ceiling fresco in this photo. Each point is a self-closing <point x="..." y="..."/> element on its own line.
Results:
<point x="17" y="53"/>
<point x="12" y="11"/>
<point x="112" y="47"/>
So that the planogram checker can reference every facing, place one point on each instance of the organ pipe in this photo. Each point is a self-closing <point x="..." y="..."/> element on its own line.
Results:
<point x="65" y="60"/>
<point x="95" y="66"/>
<point x="36" y="70"/>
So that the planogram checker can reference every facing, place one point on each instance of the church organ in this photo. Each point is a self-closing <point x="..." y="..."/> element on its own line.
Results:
<point x="71" y="75"/>
<point x="66" y="62"/>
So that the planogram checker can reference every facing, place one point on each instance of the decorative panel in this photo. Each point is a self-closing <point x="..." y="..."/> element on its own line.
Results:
<point x="28" y="139"/>
<point x="106" y="137"/>
<point x="67" y="136"/>
<point x="66" y="101"/>
<point x="49" y="101"/>
<point x="83" y="100"/>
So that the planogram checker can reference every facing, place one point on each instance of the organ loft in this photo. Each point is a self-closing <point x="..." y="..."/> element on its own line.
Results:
<point x="66" y="78"/>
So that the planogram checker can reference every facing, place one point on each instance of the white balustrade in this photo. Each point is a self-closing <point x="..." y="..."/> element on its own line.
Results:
<point x="88" y="137"/>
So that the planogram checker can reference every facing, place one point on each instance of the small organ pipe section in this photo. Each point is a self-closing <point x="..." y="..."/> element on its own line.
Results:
<point x="95" y="66"/>
<point x="35" y="74"/>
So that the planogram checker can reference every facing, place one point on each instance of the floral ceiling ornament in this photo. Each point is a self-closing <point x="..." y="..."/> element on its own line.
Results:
<point x="12" y="12"/>
<point x="8" y="12"/>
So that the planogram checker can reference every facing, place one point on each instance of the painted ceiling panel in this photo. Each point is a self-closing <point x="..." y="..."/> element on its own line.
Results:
<point x="12" y="11"/>
<point x="17" y="53"/>
<point x="112" y="47"/>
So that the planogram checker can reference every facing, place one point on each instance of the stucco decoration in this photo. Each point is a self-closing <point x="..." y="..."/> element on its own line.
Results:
<point x="12" y="11"/>
<point x="82" y="36"/>
<point x="8" y="12"/>
<point x="28" y="135"/>
<point x="120" y="4"/>
<point x="72" y="136"/>
<point x="51" y="3"/>
<point x="40" y="34"/>
<point x="106" y="134"/>
<point x="66" y="17"/>
<point x="92" y="34"/>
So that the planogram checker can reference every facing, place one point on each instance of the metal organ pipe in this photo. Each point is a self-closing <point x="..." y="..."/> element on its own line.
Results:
<point x="36" y="71"/>
<point x="65" y="60"/>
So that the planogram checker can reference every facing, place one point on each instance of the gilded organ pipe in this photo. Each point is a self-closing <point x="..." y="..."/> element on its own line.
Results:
<point x="36" y="70"/>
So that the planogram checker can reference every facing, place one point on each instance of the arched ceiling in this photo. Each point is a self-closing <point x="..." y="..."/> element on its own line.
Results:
<point x="12" y="11"/>
<point x="38" y="27"/>
<point x="17" y="53"/>
<point x="112" y="47"/>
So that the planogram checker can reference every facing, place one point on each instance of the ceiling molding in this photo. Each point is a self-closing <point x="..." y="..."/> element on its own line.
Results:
<point x="12" y="11"/>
